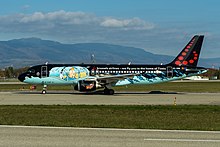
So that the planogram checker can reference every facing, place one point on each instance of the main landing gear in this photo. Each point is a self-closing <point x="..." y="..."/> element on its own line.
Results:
<point x="109" y="91"/>
<point x="44" y="91"/>
<point x="106" y="91"/>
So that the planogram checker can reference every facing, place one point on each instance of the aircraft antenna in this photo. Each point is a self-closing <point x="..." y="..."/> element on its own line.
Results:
<point x="93" y="58"/>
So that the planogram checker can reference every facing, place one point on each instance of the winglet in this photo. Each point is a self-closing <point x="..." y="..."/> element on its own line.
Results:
<point x="190" y="53"/>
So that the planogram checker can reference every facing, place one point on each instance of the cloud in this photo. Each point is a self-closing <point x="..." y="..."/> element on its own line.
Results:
<point x="132" y="24"/>
<point x="25" y="7"/>
<point x="57" y="19"/>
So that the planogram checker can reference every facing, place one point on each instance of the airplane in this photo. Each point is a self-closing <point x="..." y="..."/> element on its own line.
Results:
<point x="91" y="77"/>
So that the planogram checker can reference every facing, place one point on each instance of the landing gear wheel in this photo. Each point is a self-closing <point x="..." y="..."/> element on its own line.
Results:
<point x="44" y="92"/>
<point x="109" y="91"/>
<point x="106" y="91"/>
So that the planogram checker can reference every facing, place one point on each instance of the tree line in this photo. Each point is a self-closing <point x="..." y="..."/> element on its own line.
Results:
<point x="11" y="72"/>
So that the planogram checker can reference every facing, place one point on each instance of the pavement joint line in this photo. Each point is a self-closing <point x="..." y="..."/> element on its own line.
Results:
<point x="181" y="140"/>
<point x="109" y="129"/>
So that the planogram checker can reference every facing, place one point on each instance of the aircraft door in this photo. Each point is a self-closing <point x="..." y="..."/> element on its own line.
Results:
<point x="44" y="72"/>
<point x="169" y="71"/>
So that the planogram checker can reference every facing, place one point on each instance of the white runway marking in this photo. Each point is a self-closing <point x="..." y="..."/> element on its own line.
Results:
<point x="181" y="140"/>
<point x="110" y="129"/>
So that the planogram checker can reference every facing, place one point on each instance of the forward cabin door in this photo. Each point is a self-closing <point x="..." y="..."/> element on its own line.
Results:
<point x="169" y="71"/>
<point x="44" y="72"/>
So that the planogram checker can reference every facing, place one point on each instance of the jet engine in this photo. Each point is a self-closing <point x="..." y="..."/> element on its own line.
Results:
<point x="86" y="85"/>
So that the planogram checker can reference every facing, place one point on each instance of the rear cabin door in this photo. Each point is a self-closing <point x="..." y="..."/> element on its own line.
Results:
<point x="44" y="72"/>
<point x="169" y="71"/>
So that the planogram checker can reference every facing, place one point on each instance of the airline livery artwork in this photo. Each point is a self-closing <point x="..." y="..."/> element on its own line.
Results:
<point x="69" y="73"/>
<point x="90" y="77"/>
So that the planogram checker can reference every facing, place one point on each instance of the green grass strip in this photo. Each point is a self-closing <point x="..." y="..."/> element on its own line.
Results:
<point x="185" y="117"/>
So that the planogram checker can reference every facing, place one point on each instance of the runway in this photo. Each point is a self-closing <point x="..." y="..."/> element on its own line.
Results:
<point x="65" y="98"/>
<point x="79" y="137"/>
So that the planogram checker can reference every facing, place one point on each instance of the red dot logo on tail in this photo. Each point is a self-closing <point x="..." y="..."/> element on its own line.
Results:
<point x="184" y="53"/>
<point x="186" y="50"/>
<point x="177" y="62"/>
<point x="180" y="58"/>
<point x="185" y="62"/>
<point x="191" y="61"/>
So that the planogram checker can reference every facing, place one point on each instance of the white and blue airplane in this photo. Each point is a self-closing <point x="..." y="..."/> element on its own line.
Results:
<point x="90" y="77"/>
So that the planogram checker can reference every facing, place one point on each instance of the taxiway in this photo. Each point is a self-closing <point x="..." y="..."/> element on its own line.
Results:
<point x="65" y="98"/>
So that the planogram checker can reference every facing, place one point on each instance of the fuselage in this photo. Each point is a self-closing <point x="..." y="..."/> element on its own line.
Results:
<point x="70" y="74"/>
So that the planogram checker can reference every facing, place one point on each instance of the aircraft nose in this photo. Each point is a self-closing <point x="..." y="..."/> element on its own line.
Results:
<point x="22" y="76"/>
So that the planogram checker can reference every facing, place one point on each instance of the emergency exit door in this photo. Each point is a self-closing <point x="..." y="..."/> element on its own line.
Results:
<point x="169" y="71"/>
<point x="44" y="72"/>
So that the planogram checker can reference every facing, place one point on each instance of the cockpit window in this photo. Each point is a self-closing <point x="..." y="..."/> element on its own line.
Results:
<point x="32" y="71"/>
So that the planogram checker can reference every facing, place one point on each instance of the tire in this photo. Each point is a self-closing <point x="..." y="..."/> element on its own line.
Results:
<point x="109" y="91"/>
<point x="44" y="92"/>
<point x="106" y="91"/>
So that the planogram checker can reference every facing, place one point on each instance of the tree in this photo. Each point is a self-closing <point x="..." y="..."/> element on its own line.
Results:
<point x="9" y="72"/>
<point x="2" y="73"/>
<point x="217" y="73"/>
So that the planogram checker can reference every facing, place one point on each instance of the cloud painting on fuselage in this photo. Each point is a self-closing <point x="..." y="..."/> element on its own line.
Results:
<point x="90" y="77"/>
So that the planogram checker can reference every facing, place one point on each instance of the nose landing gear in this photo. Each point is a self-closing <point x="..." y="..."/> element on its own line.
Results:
<point x="44" y="91"/>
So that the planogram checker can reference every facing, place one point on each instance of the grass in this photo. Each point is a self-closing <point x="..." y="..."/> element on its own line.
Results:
<point x="168" y="87"/>
<point x="185" y="117"/>
<point x="175" y="87"/>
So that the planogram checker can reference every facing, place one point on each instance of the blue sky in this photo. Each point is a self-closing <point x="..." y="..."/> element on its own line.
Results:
<point x="158" y="26"/>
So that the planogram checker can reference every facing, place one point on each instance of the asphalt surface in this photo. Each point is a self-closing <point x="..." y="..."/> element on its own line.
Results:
<point x="65" y="98"/>
<point x="87" y="137"/>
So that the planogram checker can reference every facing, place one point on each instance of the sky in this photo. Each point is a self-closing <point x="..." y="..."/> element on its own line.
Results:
<point x="158" y="26"/>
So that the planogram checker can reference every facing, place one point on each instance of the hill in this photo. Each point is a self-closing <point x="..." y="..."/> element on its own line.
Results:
<point x="31" y="51"/>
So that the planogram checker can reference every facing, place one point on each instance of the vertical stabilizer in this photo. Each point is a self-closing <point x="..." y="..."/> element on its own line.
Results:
<point x="190" y="53"/>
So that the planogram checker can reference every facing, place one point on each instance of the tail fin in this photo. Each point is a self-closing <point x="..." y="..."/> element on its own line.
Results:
<point x="190" y="53"/>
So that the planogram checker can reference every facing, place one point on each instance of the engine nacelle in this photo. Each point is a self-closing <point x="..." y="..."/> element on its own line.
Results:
<point x="84" y="85"/>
